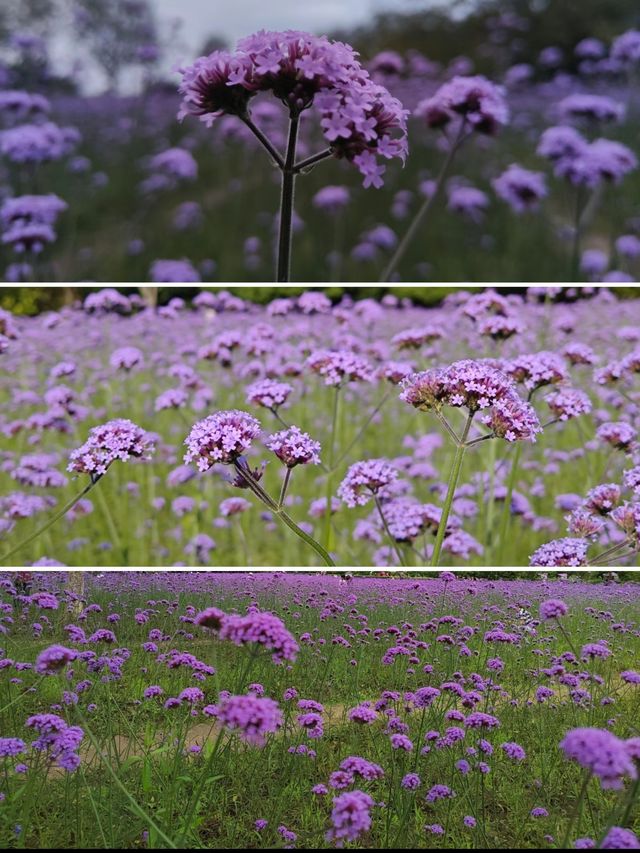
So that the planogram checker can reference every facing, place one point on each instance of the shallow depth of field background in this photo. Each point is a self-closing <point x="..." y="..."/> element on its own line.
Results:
<point x="126" y="526"/>
<point x="344" y="629"/>
<point x="125" y="111"/>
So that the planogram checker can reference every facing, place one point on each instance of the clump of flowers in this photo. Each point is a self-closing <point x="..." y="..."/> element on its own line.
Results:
<point x="294" y="447"/>
<point x="602" y="753"/>
<point x="359" y="118"/>
<point x="119" y="439"/>
<point x="521" y="188"/>
<point x="365" y="480"/>
<point x="252" y="717"/>
<point x="225" y="437"/>
<point x="561" y="552"/>
<point x="221" y="438"/>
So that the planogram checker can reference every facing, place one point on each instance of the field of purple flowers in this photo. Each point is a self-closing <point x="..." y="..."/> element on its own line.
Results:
<point x="276" y="710"/>
<point x="405" y="168"/>
<point x="490" y="430"/>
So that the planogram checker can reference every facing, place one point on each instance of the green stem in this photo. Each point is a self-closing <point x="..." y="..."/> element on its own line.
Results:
<point x="506" y="509"/>
<point x="427" y="204"/>
<point x="65" y="509"/>
<point x="454" y="476"/>
<point x="394" y="544"/>
<point x="317" y="547"/>
<point x="285" y="486"/>
<point x="577" y="811"/>
<point x="278" y="511"/>
<point x="326" y="539"/>
<point x="283" y="270"/>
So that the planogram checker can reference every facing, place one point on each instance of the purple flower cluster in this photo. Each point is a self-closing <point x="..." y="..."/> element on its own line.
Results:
<point x="222" y="437"/>
<point x="340" y="366"/>
<point x="253" y="718"/>
<point x="366" y="479"/>
<point x="474" y="385"/>
<point x="359" y="118"/>
<point x="476" y="100"/>
<point x="269" y="393"/>
<point x="521" y="188"/>
<point x="119" y="439"/>
<point x="293" y="447"/>
<point x="602" y="753"/>
<point x="27" y="221"/>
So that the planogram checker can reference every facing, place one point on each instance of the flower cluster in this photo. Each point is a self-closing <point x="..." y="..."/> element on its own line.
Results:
<point x="27" y="221"/>
<point x="474" y="385"/>
<point x="475" y="99"/>
<point x="602" y="753"/>
<point x="340" y="366"/>
<point x="57" y="739"/>
<point x="269" y="393"/>
<point x="520" y="188"/>
<point x="561" y="552"/>
<point x="293" y="447"/>
<point x="250" y="716"/>
<point x="366" y="479"/>
<point x="359" y="118"/>
<point x="118" y="439"/>
<point x="222" y="437"/>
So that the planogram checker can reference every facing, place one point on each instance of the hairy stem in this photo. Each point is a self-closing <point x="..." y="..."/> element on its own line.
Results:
<point x="454" y="476"/>
<point x="303" y="165"/>
<point x="426" y="206"/>
<point x="264" y="141"/>
<point x="283" y="270"/>
<point x="65" y="509"/>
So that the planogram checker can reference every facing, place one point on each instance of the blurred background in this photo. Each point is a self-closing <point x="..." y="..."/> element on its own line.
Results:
<point x="35" y="299"/>
<point x="94" y="46"/>
<point x="107" y="69"/>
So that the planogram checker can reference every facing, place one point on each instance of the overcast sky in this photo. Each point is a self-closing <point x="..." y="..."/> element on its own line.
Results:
<point x="236" y="18"/>
<point x="233" y="19"/>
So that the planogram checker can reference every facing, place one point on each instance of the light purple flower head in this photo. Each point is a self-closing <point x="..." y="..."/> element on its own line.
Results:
<point x="294" y="447"/>
<point x="53" y="659"/>
<point x="252" y="717"/>
<point x="561" y="552"/>
<point x="602" y="753"/>
<point x="268" y="393"/>
<point x="118" y="439"/>
<point x="359" y="118"/>
<point x="567" y="403"/>
<point x="553" y="608"/>
<point x="365" y="479"/>
<point x="351" y="816"/>
<point x="222" y="437"/>
<point x="521" y="188"/>
<point x="340" y="366"/>
<point x="477" y="100"/>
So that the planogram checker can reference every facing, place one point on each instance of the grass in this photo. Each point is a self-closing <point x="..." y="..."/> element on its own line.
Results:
<point x="239" y="195"/>
<point x="128" y="527"/>
<point x="138" y="781"/>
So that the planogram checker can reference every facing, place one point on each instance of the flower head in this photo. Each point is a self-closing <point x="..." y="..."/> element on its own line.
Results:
<point x="600" y="752"/>
<point x="294" y="447"/>
<point x="222" y="437"/>
<point x="365" y="479"/>
<point x="118" y="439"/>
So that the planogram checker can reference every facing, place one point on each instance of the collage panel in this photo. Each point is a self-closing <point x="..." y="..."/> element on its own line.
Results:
<point x="370" y="427"/>
<point x="269" y="710"/>
<point x="166" y="141"/>
<point x="319" y="457"/>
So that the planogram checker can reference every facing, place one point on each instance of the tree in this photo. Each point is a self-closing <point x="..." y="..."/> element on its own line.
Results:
<point x="117" y="33"/>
